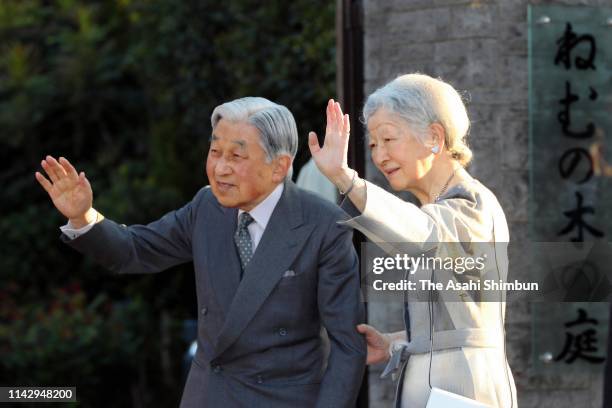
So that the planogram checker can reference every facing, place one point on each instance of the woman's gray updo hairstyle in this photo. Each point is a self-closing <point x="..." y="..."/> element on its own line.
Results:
<point x="421" y="100"/>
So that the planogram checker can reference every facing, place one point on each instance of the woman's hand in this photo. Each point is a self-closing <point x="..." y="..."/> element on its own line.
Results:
<point x="70" y="192"/>
<point x="378" y="344"/>
<point x="331" y="159"/>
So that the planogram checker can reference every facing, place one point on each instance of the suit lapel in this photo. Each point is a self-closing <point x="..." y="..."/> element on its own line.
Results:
<point x="223" y="263"/>
<point x="280" y="244"/>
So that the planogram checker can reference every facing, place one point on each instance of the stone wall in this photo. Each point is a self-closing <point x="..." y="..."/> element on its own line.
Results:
<point x="480" y="47"/>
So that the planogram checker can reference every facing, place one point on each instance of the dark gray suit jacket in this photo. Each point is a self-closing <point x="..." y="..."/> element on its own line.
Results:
<point x="259" y="341"/>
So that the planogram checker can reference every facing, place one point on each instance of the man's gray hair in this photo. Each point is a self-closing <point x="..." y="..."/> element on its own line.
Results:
<point x="275" y="123"/>
<point x="420" y="101"/>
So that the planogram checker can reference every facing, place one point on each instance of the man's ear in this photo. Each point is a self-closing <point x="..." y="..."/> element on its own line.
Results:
<point x="438" y="136"/>
<point x="281" y="166"/>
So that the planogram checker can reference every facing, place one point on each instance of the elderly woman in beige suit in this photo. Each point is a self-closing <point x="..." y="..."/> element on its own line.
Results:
<point x="417" y="128"/>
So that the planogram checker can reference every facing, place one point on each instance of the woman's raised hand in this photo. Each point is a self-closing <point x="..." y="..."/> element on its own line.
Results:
<point x="70" y="192"/>
<point x="331" y="159"/>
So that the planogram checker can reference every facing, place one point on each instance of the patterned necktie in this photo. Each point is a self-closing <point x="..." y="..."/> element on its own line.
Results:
<point x="242" y="238"/>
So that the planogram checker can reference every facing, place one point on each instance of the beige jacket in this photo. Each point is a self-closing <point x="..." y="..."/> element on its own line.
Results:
<point x="469" y="351"/>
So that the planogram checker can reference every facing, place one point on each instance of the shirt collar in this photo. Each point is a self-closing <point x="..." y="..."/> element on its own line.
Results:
<point x="263" y="211"/>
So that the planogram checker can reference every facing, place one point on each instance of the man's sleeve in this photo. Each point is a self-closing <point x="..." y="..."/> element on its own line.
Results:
<point x="341" y="310"/>
<point x="73" y="233"/>
<point x="141" y="248"/>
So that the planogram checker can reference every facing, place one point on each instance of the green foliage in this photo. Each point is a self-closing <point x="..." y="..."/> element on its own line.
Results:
<point x="124" y="89"/>
<point x="71" y="339"/>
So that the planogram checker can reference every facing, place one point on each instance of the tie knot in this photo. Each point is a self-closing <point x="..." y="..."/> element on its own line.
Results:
<point x="244" y="220"/>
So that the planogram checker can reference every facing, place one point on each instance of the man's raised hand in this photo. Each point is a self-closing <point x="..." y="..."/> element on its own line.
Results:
<point x="70" y="191"/>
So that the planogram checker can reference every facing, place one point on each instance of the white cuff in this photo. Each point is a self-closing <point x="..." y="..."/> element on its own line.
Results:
<point x="72" y="232"/>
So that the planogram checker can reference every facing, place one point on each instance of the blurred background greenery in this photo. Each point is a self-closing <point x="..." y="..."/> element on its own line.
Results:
<point x="124" y="89"/>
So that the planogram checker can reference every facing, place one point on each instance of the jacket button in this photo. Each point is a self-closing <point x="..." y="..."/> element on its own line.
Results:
<point x="259" y="379"/>
<point x="282" y="331"/>
<point x="204" y="311"/>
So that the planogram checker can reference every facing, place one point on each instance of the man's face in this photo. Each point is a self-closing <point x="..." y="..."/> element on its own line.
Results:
<point x="236" y="166"/>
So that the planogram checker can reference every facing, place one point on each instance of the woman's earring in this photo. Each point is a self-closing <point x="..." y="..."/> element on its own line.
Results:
<point x="435" y="149"/>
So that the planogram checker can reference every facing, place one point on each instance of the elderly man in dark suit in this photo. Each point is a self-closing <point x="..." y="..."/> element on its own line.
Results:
<point x="272" y="267"/>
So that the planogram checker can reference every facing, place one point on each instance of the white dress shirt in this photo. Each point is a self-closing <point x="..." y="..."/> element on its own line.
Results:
<point x="261" y="215"/>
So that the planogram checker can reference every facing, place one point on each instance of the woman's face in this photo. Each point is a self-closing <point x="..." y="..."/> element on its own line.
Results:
<point x="396" y="151"/>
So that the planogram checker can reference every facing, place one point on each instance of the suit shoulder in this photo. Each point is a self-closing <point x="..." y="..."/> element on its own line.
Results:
<point x="318" y="208"/>
<point x="204" y="197"/>
<point x="205" y="193"/>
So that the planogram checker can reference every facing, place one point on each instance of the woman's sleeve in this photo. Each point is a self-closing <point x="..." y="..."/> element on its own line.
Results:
<point x="389" y="219"/>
